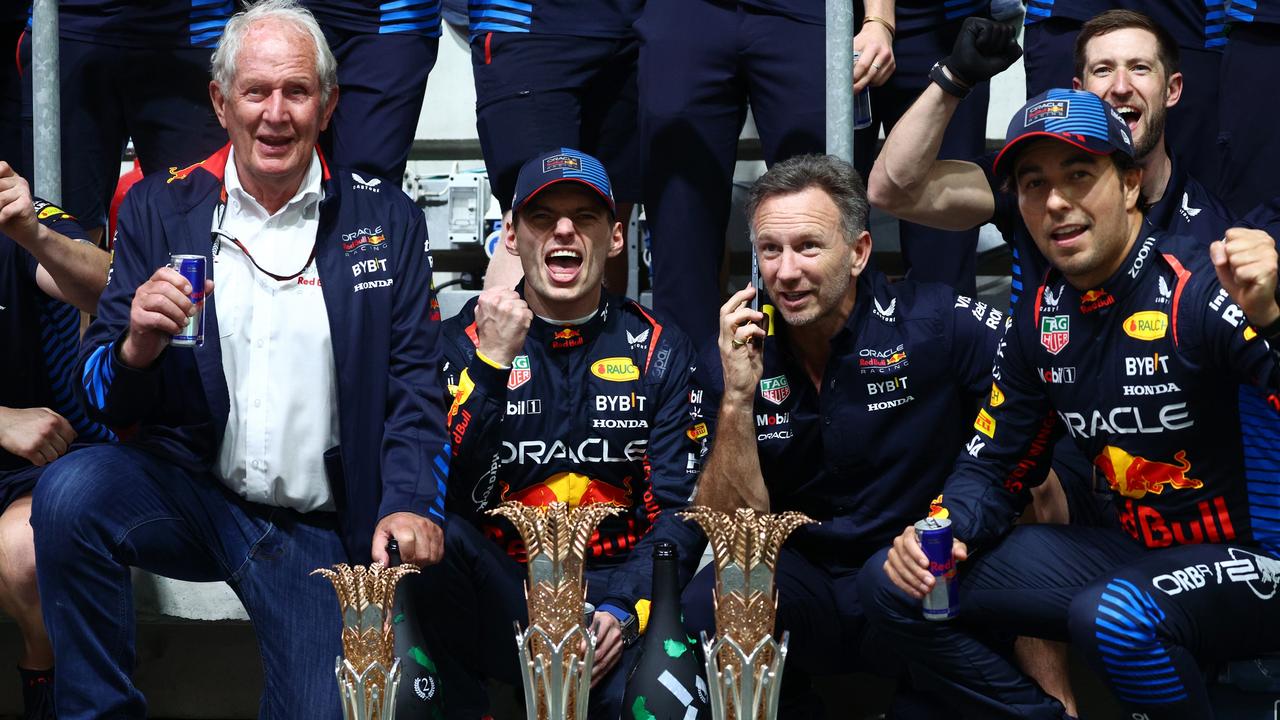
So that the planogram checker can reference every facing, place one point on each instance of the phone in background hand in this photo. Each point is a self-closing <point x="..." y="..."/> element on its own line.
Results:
<point x="758" y="283"/>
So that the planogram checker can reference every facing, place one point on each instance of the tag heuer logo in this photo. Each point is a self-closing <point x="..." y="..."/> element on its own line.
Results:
<point x="1055" y="332"/>
<point x="520" y="373"/>
<point x="775" y="389"/>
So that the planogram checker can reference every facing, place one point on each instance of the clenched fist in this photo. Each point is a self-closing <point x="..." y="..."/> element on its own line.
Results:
<point x="984" y="48"/>
<point x="17" y="210"/>
<point x="1246" y="264"/>
<point x="502" y="322"/>
<point x="38" y="435"/>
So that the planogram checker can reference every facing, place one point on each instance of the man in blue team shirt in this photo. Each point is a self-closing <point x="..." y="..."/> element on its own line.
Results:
<point x="1154" y="355"/>
<point x="308" y="429"/>
<point x="48" y="271"/>
<point x="385" y="52"/>
<point x="831" y="413"/>
<point x="131" y="70"/>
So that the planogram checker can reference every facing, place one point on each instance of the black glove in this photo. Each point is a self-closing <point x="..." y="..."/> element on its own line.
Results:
<point x="983" y="49"/>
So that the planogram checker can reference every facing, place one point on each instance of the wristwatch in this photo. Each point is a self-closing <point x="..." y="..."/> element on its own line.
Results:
<point x="629" y="623"/>
<point x="950" y="85"/>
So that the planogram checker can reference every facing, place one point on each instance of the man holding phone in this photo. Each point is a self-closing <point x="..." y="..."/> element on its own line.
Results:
<point x="901" y="363"/>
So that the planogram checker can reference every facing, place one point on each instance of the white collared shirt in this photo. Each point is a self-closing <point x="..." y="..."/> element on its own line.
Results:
<point x="277" y="352"/>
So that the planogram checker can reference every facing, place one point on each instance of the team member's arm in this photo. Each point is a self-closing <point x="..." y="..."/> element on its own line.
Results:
<point x="141" y="308"/>
<point x="415" y="449"/>
<point x="732" y="477"/>
<point x="992" y="479"/>
<point x="908" y="180"/>
<point x="875" y="43"/>
<point x="502" y="321"/>
<point x="71" y="271"/>
<point x="976" y="331"/>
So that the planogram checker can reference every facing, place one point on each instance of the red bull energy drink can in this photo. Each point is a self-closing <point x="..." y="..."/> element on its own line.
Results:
<point x="191" y="267"/>
<point x="943" y="601"/>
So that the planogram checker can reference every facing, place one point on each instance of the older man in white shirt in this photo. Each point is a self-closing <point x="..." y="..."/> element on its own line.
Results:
<point x="308" y="429"/>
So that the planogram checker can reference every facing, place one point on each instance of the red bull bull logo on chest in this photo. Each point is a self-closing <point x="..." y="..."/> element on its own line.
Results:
<point x="1133" y="476"/>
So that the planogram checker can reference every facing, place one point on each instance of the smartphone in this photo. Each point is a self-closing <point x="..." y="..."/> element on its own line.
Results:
<point x="757" y="303"/>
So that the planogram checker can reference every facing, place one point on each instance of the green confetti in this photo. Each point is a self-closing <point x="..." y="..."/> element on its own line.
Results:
<point x="674" y="648"/>
<point x="639" y="711"/>
<point x="399" y="618"/>
<point x="422" y="659"/>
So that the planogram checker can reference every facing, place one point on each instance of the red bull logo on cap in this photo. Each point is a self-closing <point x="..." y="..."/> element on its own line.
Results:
<point x="561" y="162"/>
<point x="1042" y="111"/>
<point x="1133" y="476"/>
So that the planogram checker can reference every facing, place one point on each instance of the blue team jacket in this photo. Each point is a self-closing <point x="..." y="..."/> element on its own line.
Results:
<point x="372" y="262"/>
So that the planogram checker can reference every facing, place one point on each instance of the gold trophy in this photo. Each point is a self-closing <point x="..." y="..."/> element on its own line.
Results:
<point x="744" y="662"/>
<point x="557" y="678"/>
<point x="368" y="673"/>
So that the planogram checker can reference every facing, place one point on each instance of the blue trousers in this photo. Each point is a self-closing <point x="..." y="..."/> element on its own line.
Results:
<point x="1049" y="46"/>
<point x="383" y="79"/>
<point x="157" y="97"/>
<point x="1143" y="619"/>
<point x="701" y="62"/>
<point x="100" y="511"/>
<point x="1249" y="152"/>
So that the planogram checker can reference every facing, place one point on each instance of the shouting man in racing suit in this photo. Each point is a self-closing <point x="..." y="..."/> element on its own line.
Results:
<point x="562" y="392"/>
<point x="1156" y="359"/>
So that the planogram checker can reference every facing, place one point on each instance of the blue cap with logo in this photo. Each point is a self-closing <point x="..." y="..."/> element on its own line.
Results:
<point x="563" y="165"/>
<point x="1073" y="116"/>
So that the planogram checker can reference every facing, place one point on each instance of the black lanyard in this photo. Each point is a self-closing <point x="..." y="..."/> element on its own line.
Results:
<point x="218" y="233"/>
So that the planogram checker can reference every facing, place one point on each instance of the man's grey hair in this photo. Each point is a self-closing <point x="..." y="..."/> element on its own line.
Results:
<point x="828" y="173"/>
<point x="288" y="12"/>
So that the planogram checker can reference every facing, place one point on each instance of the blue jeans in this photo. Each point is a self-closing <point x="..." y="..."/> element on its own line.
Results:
<point x="105" y="509"/>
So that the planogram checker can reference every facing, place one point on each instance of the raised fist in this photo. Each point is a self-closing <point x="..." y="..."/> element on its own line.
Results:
<point x="502" y="321"/>
<point x="983" y="49"/>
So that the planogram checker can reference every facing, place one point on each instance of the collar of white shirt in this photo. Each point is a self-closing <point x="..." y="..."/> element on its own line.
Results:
<point x="308" y="193"/>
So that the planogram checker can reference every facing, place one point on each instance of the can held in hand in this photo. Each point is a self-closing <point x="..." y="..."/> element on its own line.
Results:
<point x="943" y="601"/>
<point x="191" y="267"/>
<point x="861" y="102"/>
